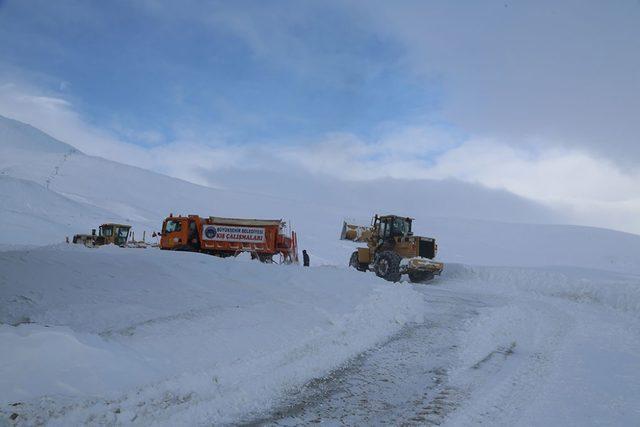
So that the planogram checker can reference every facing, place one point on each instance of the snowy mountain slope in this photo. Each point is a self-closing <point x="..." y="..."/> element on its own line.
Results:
<point x="21" y="136"/>
<point x="144" y="198"/>
<point x="509" y="244"/>
<point x="31" y="214"/>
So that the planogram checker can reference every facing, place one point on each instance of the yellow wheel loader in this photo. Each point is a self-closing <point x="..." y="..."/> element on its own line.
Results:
<point x="392" y="250"/>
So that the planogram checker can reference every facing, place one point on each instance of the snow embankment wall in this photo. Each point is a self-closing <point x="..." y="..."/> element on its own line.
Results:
<point x="547" y="344"/>
<point x="619" y="291"/>
<point x="115" y="335"/>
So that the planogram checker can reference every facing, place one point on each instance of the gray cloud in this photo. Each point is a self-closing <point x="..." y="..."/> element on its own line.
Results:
<point x="557" y="73"/>
<point x="548" y="95"/>
<point x="422" y="197"/>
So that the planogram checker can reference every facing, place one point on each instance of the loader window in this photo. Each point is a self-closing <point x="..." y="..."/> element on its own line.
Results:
<point x="400" y="227"/>
<point x="172" y="226"/>
<point x="106" y="232"/>
<point x="384" y="230"/>
<point x="123" y="232"/>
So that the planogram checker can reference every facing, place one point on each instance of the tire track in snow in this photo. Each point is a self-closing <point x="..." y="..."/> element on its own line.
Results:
<point x="422" y="376"/>
<point x="502" y="384"/>
<point x="402" y="381"/>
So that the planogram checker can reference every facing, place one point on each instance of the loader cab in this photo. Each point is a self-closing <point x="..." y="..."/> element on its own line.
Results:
<point x="116" y="234"/>
<point x="390" y="226"/>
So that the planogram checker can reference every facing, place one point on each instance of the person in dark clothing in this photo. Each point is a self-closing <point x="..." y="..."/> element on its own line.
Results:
<point x="305" y="258"/>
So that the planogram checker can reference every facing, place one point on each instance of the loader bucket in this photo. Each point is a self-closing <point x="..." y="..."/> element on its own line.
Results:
<point x="354" y="232"/>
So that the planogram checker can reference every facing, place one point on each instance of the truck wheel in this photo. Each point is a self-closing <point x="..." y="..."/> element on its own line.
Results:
<point x="388" y="266"/>
<point x="353" y="262"/>
<point x="266" y="259"/>
<point x="420" y="276"/>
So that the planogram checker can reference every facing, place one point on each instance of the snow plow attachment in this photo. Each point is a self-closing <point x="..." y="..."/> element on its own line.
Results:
<point x="354" y="232"/>
<point x="421" y="269"/>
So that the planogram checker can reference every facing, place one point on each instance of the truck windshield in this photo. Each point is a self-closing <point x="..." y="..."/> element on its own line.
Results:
<point x="172" y="226"/>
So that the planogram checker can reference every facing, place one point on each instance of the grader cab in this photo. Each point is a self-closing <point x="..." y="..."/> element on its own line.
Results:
<point x="392" y="250"/>
<point x="110" y="233"/>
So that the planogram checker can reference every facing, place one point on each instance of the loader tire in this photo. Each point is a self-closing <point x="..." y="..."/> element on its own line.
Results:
<point x="388" y="266"/>
<point x="353" y="262"/>
<point x="420" y="276"/>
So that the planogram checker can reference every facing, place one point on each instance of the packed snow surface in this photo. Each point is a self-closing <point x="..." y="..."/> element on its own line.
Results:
<point x="498" y="346"/>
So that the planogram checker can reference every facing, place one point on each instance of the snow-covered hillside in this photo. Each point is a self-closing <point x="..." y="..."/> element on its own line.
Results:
<point x="90" y="190"/>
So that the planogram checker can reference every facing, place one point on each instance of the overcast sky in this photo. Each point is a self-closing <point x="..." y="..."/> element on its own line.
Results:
<point x="539" y="98"/>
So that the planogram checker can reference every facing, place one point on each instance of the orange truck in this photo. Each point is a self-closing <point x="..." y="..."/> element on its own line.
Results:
<point x="266" y="240"/>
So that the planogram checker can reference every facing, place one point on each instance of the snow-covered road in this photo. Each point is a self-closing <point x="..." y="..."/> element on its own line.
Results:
<point x="513" y="357"/>
<point x="125" y="337"/>
<point x="403" y="380"/>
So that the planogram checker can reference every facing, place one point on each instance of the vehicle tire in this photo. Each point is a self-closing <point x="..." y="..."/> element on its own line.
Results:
<point x="420" y="276"/>
<point x="388" y="266"/>
<point x="353" y="262"/>
<point x="265" y="259"/>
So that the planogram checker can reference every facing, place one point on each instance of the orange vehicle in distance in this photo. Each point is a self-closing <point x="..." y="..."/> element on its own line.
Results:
<point x="266" y="240"/>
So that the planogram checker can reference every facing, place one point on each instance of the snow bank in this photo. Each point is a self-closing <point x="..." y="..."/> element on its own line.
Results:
<point x="121" y="335"/>
<point x="614" y="290"/>
<point x="549" y="346"/>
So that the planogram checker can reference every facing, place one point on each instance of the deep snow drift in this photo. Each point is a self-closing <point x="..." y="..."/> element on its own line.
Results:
<point x="144" y="336"/>
<point x="556" y="346"/>
<point x="189" y="336"/>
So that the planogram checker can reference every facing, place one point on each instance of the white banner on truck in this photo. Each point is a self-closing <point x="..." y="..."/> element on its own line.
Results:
<point x="233" y="233"/>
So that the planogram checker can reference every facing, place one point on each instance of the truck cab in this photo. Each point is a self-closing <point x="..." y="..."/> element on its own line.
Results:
<point x="181" y="233"/>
